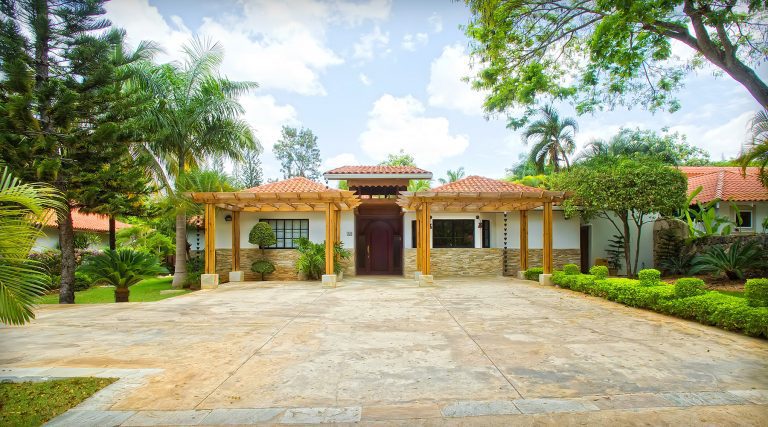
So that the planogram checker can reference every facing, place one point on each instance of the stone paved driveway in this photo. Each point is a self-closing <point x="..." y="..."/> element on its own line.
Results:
<point x="384" y="350"/>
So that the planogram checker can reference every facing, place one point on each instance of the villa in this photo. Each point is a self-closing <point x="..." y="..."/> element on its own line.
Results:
<point x="82" y="223"/>
<point x="475" y="226"/>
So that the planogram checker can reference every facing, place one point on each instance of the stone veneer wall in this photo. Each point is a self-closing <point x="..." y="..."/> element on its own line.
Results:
<point x="483" y="262"/>
<point x="284" y="260"/>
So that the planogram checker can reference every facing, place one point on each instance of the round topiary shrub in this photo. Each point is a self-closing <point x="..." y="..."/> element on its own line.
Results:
<point x="756" y="292"/>
<point x="649" y="277"/>
<point x="263" y="267"/>
<point x="689" y="287"/>
<point x="599" y="271"/>
<point x="571" y="269"/>
<point x="533" y="273"/>
<point x="262" y="235"/>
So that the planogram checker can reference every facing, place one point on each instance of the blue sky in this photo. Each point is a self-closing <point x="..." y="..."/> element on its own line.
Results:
<point x="370" y="78"/>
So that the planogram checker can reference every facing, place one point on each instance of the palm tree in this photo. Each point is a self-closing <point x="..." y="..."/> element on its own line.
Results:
<point x="22" y="208"/>
<point x="757" y="149"/>
<point x="552" y="139"/>
<point x="419" y="185"/>
<point x="196" y="116"/>
<point x="453" y="176"/>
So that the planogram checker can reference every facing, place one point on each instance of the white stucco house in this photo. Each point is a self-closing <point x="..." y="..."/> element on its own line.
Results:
<point x="82" y="223"/>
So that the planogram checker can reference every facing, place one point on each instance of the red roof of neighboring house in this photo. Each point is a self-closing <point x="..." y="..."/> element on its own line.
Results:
<point x="364" y="170"/>
<point x="725" y="183"/>
<point x="86" y="222"/>
<point x="297" y="184"/>
<point x="480" y="184"/>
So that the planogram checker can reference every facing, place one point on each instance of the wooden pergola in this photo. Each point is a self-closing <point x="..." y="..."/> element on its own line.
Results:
<point x="329" y="201"/>
<point x="426" y="202"/>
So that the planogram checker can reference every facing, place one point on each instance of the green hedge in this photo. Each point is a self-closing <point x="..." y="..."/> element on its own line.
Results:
<point x="571" y="269"/>
<point x="533" y="273"/>
<point x="649" y="277"/>
<point x="708" y="307"/>
<point x="599" y="271"/>
<point x="756" y="292"/>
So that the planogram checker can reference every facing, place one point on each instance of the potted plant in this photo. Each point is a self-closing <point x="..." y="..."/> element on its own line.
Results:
<point x="122" y="269"/>
<point x="311" y="261"/>
<point x="615" y="252"/>
<point x="262" y="235"/>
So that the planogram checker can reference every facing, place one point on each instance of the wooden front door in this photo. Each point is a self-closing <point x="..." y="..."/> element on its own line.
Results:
<point x="379" y="240"/>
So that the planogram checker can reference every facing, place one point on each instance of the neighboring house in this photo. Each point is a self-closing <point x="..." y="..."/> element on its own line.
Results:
<point x="82" y="223"/>
<point x="474" y="223"/>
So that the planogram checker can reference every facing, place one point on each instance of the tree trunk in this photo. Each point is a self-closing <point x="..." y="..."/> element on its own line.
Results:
<point x="637" y="246"/>
<point x="749" y="79"/>
<point x="180" y="263"/>
<point x="122" y="294"/>
<point x="627" y="252"/>
<point x="112" y="244"/>
<point x="68" y="264"/>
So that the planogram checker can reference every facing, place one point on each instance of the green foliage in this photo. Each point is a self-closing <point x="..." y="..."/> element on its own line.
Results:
<point x="672" y="149"/>
<point x="689" y="287"/>
<point x="262" y="235"/>
<point x="452" y="176"/>
<point x="415" y="185"/>
<point x="535" y="181"/>
<point x="599" y="271"/>
<point x="553" y="139"/>
<point x="533" y="273"/>
<point x="600" y="54"/>
<point x="756" y="152"/>
<point x="22" y="279"/>
<point x="145" y="239"/>
<point x="263" y="267"/>
<point x="122" y="268"/>
<point x="702" y="219"/>
<point x="734" y="262"/>
<point x="615" y="251"/>
<point x="247" y="172"/>
<point x="298" y="153"/>
<point x="311" y="259"/>
<point x="147" y="290"/>
<point x="399" y="159"/>
<point x="756" y="292"/>
<point x="725" y="311"/>
<point x="571" y="269"/>
<point x="649" y="277"/>
<point x="627" y="192"/>
<point x="674" y="256"/>
<point x="84" y="240"/>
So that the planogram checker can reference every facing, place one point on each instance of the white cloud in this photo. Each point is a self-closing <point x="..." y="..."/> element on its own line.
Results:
<point x="436" y="22"/>
<point x="355" y="13"/>
<point x="721" y="141"/>
<point x="399" y="123"/>
<point x="446" y="88"/>
<point x="365" y="49"/>
<point x="343" y="159"/>
<point x="365" y="79"/>
<point x="411" y="42"/>
<point x="267" y="118"/>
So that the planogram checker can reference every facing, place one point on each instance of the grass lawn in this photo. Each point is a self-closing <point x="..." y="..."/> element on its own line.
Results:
<point x="144" y="291"/>
<point x="34" y="403"/>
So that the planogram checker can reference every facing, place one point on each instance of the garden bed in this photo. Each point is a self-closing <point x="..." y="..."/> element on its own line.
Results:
<point x="145" y="291"/>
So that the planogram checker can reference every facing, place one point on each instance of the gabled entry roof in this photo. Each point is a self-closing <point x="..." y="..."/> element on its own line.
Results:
<point x="377" y="172"/>
<point x="479" y="194"/>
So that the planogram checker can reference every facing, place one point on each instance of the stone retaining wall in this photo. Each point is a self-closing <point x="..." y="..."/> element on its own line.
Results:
<point x="284" y="260"/>
<point x="484" y="261"/>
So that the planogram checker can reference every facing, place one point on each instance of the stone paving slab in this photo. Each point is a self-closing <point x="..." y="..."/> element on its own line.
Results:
<point x="474" y="409"/>
<point x="90" y="418"/>
<point x="321" y="415"/>
<point x="170" y="418"/>
<point x="242" y="416"/>
<point x="538" y="406"/>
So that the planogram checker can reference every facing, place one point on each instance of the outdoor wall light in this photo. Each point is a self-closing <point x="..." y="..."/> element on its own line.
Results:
<point x="228" y="218"/>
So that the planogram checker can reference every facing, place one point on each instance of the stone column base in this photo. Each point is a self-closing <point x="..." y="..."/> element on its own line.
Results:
<point x="545" y="279"/>
<point x="416" y="275"/>
<point x="426" y="280"/>
<point x="329" y="280"/>
<point x="521" y="275"/>
<point x="236" y="276"/>
<point x="209" y="281"/>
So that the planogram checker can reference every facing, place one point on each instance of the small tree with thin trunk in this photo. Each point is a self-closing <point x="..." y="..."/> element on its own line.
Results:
<point x="626" y="191"/>
<point x="262" y="235"/>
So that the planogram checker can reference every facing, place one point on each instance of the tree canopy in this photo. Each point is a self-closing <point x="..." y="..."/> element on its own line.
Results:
<point x="298" y="153"/>
<point x="671" y="148"/>
<point x="602" y="53"/>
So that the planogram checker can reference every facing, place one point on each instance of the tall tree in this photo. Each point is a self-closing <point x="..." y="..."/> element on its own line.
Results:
<point x="22" y="208"/>
<point x="601" y="53"/>
<point x="399" y="159"/>
<point x="248" y="172"/>
<point x="756" y="151"/>
<point x="552" y="139"/>
<point x="669" y="148"/>
<point x="298" y="153"/>
<point x="60" y="86"/>
<point x="195" y="115"/>
<point x="452" y="176"/>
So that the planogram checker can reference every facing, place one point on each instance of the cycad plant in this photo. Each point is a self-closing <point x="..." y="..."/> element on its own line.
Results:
<point x="22" y="208"/>
<point x="122" y="269"/>
<point x="733" y="262"/>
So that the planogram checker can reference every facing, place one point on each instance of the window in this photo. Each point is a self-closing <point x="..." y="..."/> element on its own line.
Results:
<point x="453" y="233"/>
<point x="745" y="213"/>
<point x="287" y="231"/>
<point x="486" y="233"/>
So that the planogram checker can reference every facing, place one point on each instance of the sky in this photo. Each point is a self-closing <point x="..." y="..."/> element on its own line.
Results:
<point x="370" y="78"/>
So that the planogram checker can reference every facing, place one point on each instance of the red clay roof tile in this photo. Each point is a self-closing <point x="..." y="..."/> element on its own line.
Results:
<point x="478" y="184"/>
<point x="377" y="170"/>
<point x="297" y="184"/>
<point x="725" y="183"/>
<point x="86" y="222"/>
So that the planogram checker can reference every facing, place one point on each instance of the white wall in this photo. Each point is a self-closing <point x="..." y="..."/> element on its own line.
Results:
<point x="601" y="230"/>
<point x="759" y="213"/>
<point x="50" y="239"/>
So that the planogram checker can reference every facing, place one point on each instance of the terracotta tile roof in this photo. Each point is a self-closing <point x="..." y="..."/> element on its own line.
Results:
<point x="377" y="170"/>
<point x="297" y="184"/>
<point x="86" y="222"/>
<point x="725" y="183"/>
<point x="480" y="184"/>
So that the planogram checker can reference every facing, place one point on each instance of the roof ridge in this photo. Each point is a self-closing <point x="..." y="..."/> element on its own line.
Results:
<point x="720" y="184"/>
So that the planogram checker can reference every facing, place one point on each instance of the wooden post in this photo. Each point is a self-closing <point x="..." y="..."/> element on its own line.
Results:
<point x="330" y="228"/>
<point x="427" y="270"/>
<point x="547" y="252"/>
<point x="235" y="240"/>
<point x="419" y="244"/>
<point x="210" y="239"/>
<point x="523" y="240"/>
<point x="337" y="222"/>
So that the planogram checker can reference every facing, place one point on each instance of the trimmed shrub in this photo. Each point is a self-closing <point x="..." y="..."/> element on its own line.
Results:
<point x="756" y="292"/>
<point x="558" y="276"/>
<point x="599" y="271"/>
<point x="725" y="311"/>
<point x="533" y="273"/>
<point x="263" y="267"/>
<point x="689" y="287"/>
<point x="571" y="269"/>
<point x="649" y="277"/>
